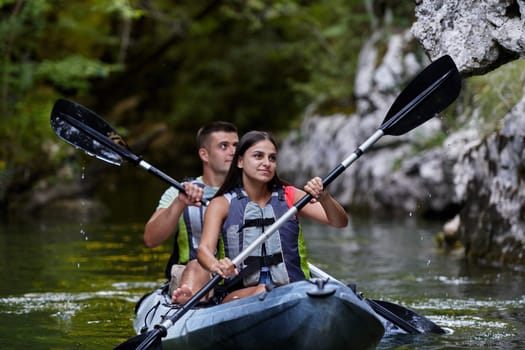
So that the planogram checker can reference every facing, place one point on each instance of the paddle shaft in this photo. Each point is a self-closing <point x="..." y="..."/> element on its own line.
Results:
<point x="390" y="122"/>
<point x="343" y="165"/>
<point x="134" y="159"/>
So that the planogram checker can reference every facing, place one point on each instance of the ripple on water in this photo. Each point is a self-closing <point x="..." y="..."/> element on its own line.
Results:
<point x="64" y="305"/>
<point x="481" y="319"/>
<point x="469" y="323"/>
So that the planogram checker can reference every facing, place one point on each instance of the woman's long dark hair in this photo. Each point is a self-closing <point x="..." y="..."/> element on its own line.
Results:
<point x="234" y="176"/>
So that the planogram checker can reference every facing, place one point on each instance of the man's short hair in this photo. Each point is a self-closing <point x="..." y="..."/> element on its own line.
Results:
<point x="208" y="129"/>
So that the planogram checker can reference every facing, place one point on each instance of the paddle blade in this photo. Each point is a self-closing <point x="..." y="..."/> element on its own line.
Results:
<point x="151" y="340"/>
<point x="431" y="91"/>
<point x="83" y="129"/>
<point x="420" y="323"/>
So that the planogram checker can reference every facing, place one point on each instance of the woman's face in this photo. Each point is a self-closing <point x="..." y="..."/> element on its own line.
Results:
<point x="259" y="161"/>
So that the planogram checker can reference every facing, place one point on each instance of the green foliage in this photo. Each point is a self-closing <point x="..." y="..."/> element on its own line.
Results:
<point x="257" y="63"/>
<point x="74" y="72"/>
<point x="494" y="94"/>
<point x="48" y="49"/>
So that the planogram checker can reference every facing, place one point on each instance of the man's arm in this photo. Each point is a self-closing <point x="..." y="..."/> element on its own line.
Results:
<point x="164" y="220"/>
<point x="162" y="223"/>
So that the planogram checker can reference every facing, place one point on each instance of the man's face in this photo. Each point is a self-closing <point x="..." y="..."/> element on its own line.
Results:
<point x="219" y="151"/>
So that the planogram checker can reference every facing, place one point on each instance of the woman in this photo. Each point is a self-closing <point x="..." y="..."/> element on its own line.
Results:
<point x="250" y="200"/>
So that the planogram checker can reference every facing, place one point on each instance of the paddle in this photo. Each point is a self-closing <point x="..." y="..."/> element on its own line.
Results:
<point x="404" y="318"/>
<point x="429" y="93"/>
<point x="87" y="131"/>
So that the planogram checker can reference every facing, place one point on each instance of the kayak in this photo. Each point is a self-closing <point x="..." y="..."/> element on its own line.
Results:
<point x="320" y="313"/>
<point x="312" y="314"/>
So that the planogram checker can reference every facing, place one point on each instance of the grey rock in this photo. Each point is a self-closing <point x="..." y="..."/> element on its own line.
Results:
<point x="479" y="177"/>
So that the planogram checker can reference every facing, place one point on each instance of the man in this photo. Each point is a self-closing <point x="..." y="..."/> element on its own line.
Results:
<point x="183" y="213"/>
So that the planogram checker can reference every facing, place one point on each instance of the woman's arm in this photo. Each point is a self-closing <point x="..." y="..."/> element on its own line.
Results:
<point x="323" y="208"/>
<point x="214" y="217"/>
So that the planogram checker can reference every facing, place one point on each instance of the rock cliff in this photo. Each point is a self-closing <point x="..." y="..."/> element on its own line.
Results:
<point x="431" y="171"/>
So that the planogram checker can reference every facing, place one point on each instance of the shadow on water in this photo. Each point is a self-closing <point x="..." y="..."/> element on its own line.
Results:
<point x="72" y="284"/>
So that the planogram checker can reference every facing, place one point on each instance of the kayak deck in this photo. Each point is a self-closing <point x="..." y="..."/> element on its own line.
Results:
<point x="305" y="315"/>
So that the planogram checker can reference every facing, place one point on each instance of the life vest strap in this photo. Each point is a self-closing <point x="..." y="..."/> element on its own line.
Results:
<point x="254" y="263"/>
<point x="260" y="222"/>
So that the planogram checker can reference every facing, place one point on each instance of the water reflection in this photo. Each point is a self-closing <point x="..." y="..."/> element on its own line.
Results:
<point x="72" y="286"/>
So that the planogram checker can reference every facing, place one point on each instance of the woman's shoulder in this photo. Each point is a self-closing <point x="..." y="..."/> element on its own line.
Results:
<point x="220" y="200"/>
<point x="219" y="205"/>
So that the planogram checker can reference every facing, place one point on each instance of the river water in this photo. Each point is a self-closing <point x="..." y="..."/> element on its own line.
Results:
<point x="73" y="283"/>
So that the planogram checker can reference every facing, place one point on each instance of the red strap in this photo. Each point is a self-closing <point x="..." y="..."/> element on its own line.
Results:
<point x="289" y="193"/>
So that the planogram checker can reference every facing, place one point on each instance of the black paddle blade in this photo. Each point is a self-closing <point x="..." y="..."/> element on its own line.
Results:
<point x="84" y="130"/>
<point x="433" y="90"/>
<point x="151" y="340"/>
<point x="418" y="324"/>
